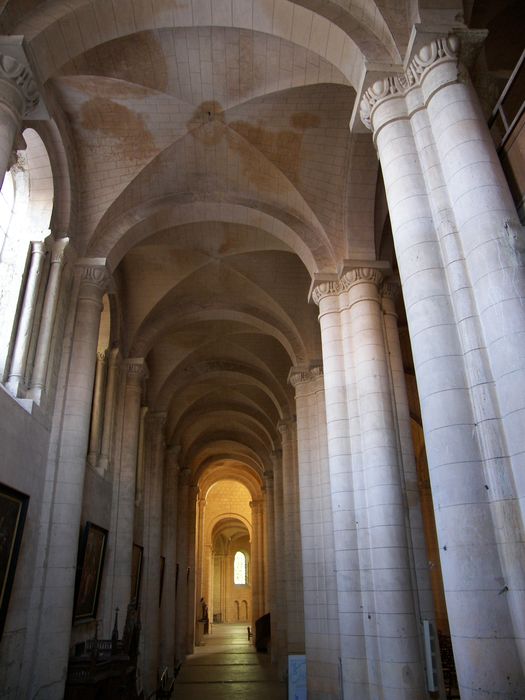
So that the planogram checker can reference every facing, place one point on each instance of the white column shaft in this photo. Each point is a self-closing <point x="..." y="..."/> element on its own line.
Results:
<point x="317" y="544"/>
<point x="152" y="547"/>
<point x="25" y="322"/>
<point x="126" y="485"/>
<point x="480" y="619"/>
<point x="109" y="411"/>
<point x="169" y="548"/>
<point x="97" y="411"/>
<point x="47" y="322"/>
<point x="59" y="584"/>
<point x="385" y="561"/>
<point x="338" y="385"/>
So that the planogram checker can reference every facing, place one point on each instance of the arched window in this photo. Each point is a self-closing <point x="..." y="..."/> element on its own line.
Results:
<point x="240" y="569"/>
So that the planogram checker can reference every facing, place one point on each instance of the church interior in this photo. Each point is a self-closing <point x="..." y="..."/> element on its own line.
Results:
<point x="262" y="343"/>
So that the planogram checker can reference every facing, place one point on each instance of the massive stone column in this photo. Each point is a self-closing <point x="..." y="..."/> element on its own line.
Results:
<point x="192" y="565"/>
<point x="337" y="388"/>
<point x="45" y="334"/>
<point x="104" y="461"/>
<point x="269" y="551"/>
<point x="18" y="97"/>
<point x="321" y="617"/>
<point x="65" y="505"/>
<point x="97" y="410"/>
<point x="153" y="517"/>
<point x="294" y="609"/>
<point x="15" y="382"/>
<point x="169" y="551"/>
<point x="385" y="555"/>
<point x="279" y="619"/>
<point x="453" y="225"/>
<point x="390" y="291"/>
<point x="257" y="561"/>
<point x="182" y="600"/>
<point x="125" y="484"/>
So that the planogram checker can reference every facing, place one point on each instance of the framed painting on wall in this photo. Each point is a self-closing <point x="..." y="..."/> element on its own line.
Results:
<point x="13" y="509"/>
<point x="89" y="571"/>
<point x="136" y="573"/>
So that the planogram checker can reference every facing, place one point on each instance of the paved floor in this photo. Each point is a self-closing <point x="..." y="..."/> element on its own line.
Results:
<point x="227" y="667"/>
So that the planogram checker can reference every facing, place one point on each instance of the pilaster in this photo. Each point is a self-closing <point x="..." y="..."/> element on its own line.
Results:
<point x="66" y="505"/>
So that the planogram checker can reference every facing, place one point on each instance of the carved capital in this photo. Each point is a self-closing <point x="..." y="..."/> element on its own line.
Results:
<point x="157" y="419"/>
<point x="302" y="375"/>
<point x="58" y="250"/>
<point x="20" y="77"/>
<point x="102" y="356"/>
<point x="391" y="290"/>
<point x="360" y="275"/>
<point x="268" y="476"/>
<point x="322" y="289"/>
<point x="444" y="49"/>
<point x="93" y="281"/>
<point x="136" y="370"/>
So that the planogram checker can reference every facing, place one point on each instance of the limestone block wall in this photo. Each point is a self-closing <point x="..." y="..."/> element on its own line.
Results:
<point x="24" y="440"/>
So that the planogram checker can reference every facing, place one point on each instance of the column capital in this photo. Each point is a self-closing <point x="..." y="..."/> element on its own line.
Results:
<point x="58" y="250"/>
<point x="322" y="287"/>
<point x="438" y="51"/>
<point x="302" y="375"/>
<point x="156" y="418"/>
<point x="173" y="450"/>
<point x="19" y="76"/>
<point x="94" y="279"/>
<point x="284" y="425"/>
<point x="356" y="272"/>
<point x="136" y="370"/>
<point x="268" y="476"/>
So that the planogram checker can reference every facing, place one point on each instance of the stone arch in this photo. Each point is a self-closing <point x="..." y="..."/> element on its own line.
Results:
<point x="331" y="38"/>
<point x="137" y="224"/>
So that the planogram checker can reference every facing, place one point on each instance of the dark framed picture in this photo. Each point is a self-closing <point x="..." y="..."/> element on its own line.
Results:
<point x="89" y="571"/>
<point x="161" y="579"/>
<point x="13" y="509"/>
<point x="136" y="573"/>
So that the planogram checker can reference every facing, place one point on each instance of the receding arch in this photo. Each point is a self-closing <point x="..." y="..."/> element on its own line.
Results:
<point x="118" y="236"/>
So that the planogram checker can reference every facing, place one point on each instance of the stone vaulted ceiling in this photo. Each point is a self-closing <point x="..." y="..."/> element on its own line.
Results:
<point x="211" y="163"/>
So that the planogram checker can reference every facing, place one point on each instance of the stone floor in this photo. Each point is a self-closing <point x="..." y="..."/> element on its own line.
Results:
<point x="227" y="667"/>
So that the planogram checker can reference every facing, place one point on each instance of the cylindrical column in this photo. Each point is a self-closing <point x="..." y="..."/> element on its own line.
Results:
<point x="182" y="560"/>
<point x="270" y="545"/>
<point x="155" y="423"/>
<point x="470" y="478"/>
<point x="390" y="290"/>
<point x="256" y="568"/>
<point x="109" y="410"/>
<point x="490" y="238"/>
<point x="38" y="378"/>
<point x="97" y="410"/>
<point x="321" y="618"/>
<point x="199" y="568"/>
<point x="66" y="498"/>
<point x="25" y="323"/>
<point x="169" y="548"/>
<point x="292" y="550"/>
<point x="279" y="621"/>
<point x="192" y="562"/>
<point x="339" y="390"/>
<point x="18" y="96"/>
<point x="136" y="372"/>
<point x="386" y="571"/>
